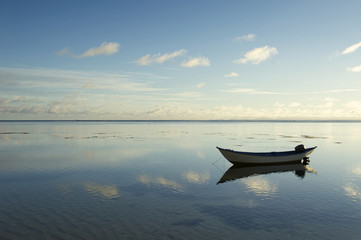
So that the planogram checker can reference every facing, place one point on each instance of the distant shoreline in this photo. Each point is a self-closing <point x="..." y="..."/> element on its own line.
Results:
<point x="190" y="121"/>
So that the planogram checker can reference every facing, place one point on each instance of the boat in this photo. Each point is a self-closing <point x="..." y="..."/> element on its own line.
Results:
<point x="237" y="157"/>
<point x="236" y="171"/>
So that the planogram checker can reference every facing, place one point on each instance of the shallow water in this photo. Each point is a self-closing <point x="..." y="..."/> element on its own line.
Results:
<point x="158" y="180"/>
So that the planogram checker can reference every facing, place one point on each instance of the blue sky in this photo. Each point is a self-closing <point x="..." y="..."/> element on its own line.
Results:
<point x="180" y="60"/>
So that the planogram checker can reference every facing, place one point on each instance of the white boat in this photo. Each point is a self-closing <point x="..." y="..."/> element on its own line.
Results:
<point x="237" y="157"/>
<point x="237" y="172"/>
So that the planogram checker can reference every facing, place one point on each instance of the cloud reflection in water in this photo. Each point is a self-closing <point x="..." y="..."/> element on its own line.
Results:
<point x="353" y="191"/>
<point x="260" y="186"/>
<point x="194" y="177"/>
<point x="160" y="181"/>
<point x="107" y="191"/>
<point x="352" y="188"/>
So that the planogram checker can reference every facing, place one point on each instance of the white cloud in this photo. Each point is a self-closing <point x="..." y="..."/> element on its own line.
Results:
<point x="330" y="99"/>
<point x="279" y="105"/>
<point x="334" y="54"/>
<point x="354" y="69"/>
<point x="94" y="95"/>
<point x="200" y="85"/>
<point x="253" y="91"/>
<point x="106" y="48"/>
<point x="232" y="74"/>
<point x="157" y="58"/>
<point x="64" y="52"/>
<point x="258" y="55"/>
<point x="325" y="105"/>
<point x="335" y="91"/>
<point x="354" y="107"/>
<point x="351" y="48"/>
<point x="294" y="105"/>
<point x="39" y="79"/>
<point x="145" y="60"/>
<point x="187" y="95"/>
<point x="168" y="56"/>
<point x="241" y="90"/>
<point x="248" y="37"/>
<point x="151" y="107"/>
<point x="194" y="62"/>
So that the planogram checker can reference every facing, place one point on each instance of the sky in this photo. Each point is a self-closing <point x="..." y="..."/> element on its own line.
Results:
<point x="180" y="60"/>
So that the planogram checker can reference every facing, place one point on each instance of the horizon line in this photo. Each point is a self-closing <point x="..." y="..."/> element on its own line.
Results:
<point x="180" y="120"/>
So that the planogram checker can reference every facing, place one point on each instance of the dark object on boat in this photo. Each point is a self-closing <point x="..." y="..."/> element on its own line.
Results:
<point x="300" y="148"/>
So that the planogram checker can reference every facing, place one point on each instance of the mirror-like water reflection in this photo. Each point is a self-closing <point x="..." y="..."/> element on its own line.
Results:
<point x="236" y="171"/>
<point x="158" y="180"/>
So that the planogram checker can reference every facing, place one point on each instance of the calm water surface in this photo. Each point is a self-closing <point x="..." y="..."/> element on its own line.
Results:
<point x="158" y="180"/>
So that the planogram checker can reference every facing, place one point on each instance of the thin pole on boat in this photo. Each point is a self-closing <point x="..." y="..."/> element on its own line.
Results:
<point x="223" y="164"/>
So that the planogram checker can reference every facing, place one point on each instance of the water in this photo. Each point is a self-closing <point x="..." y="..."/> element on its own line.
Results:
<point x="158" y="180"/>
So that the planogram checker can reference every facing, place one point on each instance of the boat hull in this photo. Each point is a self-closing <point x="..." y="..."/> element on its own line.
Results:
<point x="236" y="157"/>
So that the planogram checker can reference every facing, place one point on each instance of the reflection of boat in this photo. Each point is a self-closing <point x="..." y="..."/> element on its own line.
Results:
<point x="239" y="171"/>
<point x="236" y="157"/>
